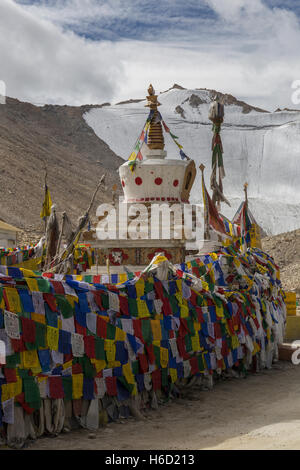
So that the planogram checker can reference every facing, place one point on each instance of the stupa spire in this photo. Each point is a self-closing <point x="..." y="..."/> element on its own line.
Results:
<point x="155" y="134"/>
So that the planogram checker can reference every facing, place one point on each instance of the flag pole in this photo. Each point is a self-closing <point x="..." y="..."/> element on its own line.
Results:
<point x="206" y="218"/>
<point x="45" y="188"/>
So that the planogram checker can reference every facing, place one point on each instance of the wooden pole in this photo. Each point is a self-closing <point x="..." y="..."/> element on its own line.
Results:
<point x="81" y="224"/>
<point x="246" y="193"/>
<point x="61" y="233"/>
<point x="206" y="220"/>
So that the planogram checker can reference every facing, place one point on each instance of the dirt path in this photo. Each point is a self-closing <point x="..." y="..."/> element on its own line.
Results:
<point x="259" y="412"/>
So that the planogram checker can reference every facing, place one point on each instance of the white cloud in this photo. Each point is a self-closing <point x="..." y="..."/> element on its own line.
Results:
<point x="250" y="51"/>
<point x="40" y="62"/>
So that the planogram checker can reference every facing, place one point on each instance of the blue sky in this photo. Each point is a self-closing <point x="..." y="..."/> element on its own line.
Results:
<point x="77" y="51"/>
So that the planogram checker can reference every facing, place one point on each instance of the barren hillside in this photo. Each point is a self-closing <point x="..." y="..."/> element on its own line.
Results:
<point x="285" y="249"/>
<point x="75" y="157"/>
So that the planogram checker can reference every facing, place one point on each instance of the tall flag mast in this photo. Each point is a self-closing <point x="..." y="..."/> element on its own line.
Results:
<point x="216" y="115"/>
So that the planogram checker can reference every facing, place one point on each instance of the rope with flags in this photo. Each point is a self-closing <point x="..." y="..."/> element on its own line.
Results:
<point x="174" y="137"/>
<point x="143" y="138"/>
<point x="136" y="153"/>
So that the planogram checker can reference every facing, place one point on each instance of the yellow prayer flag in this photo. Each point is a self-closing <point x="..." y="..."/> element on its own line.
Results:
<point x="127" y="372"/>
<point x="113" y="364"/>
<point x="132" y="156"/>
<point x="72" y="299"/>
<point x="38" y="318"/>
<point x="184" y="310"/>
<point x="220" y="311"/>
<point x="140" y="287"/>
<point x="13" y="299"/>
<point x="160" y="259"/>
<point x="66" y="365"/>
<point x="142" y="308"/>
<point x="52" y="338"/>
<point x="120" y="334"/>
<point x="11" y="390"/>
<point x="32" y="284"/>
<point x="164" y="357"/>
<point x="122" y="278"/>
<point x="179" y="284"/>
<point x="110" y="348"/>
<point x="28" y="273"/>
<point x="156" y="330"/>
<point x="235" y="342"/>
<point x="30" y="360"/>
<point x="77" y="386"/>
<point x="195" y="343"/>
<point x="100" y="364"/>
<point x="46" y="209"/>
<point x="173" y="375"/>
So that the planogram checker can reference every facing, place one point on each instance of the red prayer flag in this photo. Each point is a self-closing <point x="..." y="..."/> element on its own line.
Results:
<point x="51" y="301"/>
<point x="10" y="375"/>
<point x="28" y="330"/>
<point x="56" y="387"/>
<point x="111" y="385"/>
<point x="89" y="346"/>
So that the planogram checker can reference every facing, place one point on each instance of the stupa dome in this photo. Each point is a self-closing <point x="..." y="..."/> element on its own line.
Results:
<point x="148" y="176"/>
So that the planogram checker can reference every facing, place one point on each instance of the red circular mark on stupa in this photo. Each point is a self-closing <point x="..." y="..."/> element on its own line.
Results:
<point x="158" y="181"/>
<point x="138" y="180"/>
<point x="175" y="183"/>
<point x="123" y="183"/>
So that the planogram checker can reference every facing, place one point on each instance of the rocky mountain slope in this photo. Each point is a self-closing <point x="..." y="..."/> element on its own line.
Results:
<point x="285" y="249"/>
<point x="260" y="147"/>
<point x="58" y="137"/>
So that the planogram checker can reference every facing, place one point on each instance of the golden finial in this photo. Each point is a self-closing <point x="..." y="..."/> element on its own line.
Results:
<point x="152" y="102"/>
<point x="202" y="167"/>
<point x="151" y="90"/>
<point x="155" y="136"/>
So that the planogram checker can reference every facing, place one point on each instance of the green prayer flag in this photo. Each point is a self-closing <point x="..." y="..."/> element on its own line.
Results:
<point x="99" y="349"/>
<point x="188" y="343"/>
<point x="44" y="285"/>
<point x="132" y="307"/>
<point x="64" y="306"/>
<point x="105" y="300"/>
<point x="13" y="360"/>
<point x="135" y="367"/>
<point x="88" y="368"/>
<point x="67" y="386"/>
<point x="32" y="392"/>
<point x="200" y="363"/>
<point x="146" y="331"/>
<point x="164" y="377"/>
<point x="156" y="350"/>
<point x="40" y="335"/>
<point x="23" y="373"/>
<point x="30" y="346"/>
<point x="173" y="303"/>
<point x="149" y="287"/>
<point x="110" y="331"/>
<point x="190" y="325"/>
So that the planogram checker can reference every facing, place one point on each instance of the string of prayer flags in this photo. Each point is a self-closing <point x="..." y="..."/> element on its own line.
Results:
<point x="175" y="138"/>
